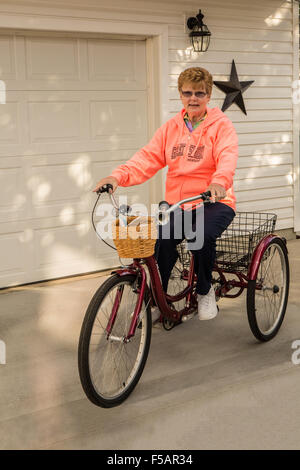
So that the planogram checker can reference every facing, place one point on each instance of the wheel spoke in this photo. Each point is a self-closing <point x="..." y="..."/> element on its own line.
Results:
<point x="113" y="363"/>
<point x="176" y="282"/>
<point x="270" y="300"/>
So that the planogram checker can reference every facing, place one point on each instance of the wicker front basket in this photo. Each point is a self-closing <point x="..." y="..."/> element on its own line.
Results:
<point x="135" y="240"/>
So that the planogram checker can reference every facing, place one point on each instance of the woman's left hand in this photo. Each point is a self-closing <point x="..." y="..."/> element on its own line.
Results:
<point x="217" y="192"/>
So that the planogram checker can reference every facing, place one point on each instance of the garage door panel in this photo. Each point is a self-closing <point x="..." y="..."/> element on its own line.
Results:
<point x="64" y="244"/>
<point x="8" y="58"/>
<point x="16" y="252"/>
<point x="54" y="121"/>
<point x="11" y="248"/>
<point x="13" y="201"/>
<point x="117" y="117"/>
<point x="52" y="58"/>
<point x="64" y="249"/>
<point x="76" y="108"/>
<point x="55" y="183"/>
<point x="10" y="123"/>
<point x="113" y="63"/>
<point x="102" y="144"/>
<point x="71" y="247"/>
<point x="42" y="117"/>
<point x="59" y="189"/>
<point x="65" y="189"/>
<point x="61" y="63"/>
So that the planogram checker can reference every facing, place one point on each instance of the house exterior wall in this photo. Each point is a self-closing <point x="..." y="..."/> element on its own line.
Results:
<point x="259" y="36"/>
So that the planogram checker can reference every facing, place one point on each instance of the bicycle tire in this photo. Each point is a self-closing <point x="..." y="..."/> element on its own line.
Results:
<point x="96" y="393"/>
<point x="254" y="309"/>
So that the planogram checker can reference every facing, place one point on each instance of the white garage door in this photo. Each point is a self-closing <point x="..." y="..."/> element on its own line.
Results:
<point x="76" y="107"/>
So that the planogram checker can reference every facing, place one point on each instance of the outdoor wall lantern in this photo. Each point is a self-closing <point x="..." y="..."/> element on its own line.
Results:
<point x="200" y="34"/>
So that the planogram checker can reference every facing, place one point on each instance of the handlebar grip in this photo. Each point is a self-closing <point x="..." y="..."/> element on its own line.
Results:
<point x="162" y="217"/>
<point x="206" y="195"/>
<point x="105" y="188"/>
<point x="163" y="205"/>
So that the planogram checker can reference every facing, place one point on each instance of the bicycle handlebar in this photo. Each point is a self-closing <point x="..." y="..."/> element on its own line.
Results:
<point x="163" y="214"/>
<point x="164" y="207"/>
<point x="204" y="196"/>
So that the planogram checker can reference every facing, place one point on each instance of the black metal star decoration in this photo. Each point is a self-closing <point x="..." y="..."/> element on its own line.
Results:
<point x="234" y="89"/>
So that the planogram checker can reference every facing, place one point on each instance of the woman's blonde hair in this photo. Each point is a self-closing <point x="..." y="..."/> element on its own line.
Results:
<point x="196" y="76"/>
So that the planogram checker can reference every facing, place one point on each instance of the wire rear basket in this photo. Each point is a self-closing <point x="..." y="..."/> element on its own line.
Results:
<point x="236" y="245"/>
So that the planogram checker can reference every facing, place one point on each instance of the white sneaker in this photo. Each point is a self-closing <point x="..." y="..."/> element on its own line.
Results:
<point x="207" y="307"/>
<point x="155" y="313"/>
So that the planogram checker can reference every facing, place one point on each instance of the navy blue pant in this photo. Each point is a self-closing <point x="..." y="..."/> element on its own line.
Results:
<point x="217" y="217"/>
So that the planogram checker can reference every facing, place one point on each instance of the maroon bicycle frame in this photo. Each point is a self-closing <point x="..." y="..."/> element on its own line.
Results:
<point x="242" y="283"/>
<point x="164" y="301"/>
<point x="160" y="298"/>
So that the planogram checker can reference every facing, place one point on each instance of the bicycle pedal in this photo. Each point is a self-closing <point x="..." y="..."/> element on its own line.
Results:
<point x="185" y="318"/>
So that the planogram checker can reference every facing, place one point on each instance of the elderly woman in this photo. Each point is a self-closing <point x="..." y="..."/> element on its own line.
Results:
<point x="200" y="147"/>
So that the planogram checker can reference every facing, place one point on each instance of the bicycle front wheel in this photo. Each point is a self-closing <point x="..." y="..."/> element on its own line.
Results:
<point x="267" y="296"/>
<point x="110" y="367"/>
<point x="179" y="276"/>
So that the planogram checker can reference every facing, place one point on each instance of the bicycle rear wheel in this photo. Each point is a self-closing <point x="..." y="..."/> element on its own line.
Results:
<point x="110" y="368"/>
<point x="266" y="306"/>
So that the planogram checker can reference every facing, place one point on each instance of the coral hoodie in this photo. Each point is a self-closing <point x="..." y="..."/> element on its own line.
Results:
<point x="195" y="159"/>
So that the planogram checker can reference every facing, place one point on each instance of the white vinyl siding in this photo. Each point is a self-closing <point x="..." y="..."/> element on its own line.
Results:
<point x="258" y="37"/>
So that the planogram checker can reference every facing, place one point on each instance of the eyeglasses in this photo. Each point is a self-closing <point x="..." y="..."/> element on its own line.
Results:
<point x="189" y="94"/>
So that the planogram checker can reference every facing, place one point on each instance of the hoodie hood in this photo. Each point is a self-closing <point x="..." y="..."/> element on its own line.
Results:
<point x="213" y="115"/>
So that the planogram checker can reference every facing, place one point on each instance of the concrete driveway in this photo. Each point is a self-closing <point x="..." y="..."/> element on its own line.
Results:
<point x="206" y="385"/>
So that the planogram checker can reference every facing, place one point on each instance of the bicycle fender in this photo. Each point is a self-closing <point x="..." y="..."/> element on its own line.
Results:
<point x="124" y="272"/>
<point x="257" y="255"/>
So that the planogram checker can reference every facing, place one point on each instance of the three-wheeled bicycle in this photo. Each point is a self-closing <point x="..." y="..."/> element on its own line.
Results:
<point x="116" y="332"/>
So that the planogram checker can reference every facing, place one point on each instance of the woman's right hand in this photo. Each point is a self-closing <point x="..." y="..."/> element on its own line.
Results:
<point x="108" y="180"/>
